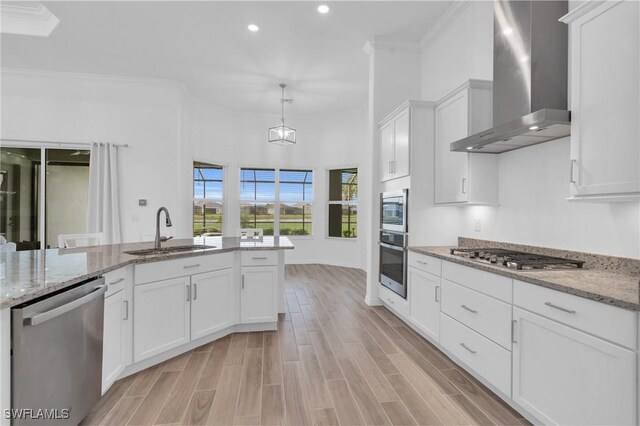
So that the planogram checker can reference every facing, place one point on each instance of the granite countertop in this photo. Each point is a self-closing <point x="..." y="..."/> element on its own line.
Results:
<point x="26" y="275"/>
<point x="602" y="285"/>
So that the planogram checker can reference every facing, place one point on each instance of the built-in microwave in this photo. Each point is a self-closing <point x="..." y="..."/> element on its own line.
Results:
<point x="393" y="211"/>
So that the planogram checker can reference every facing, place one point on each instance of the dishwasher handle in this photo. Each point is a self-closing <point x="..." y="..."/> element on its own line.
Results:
<point x="56" y="312"/>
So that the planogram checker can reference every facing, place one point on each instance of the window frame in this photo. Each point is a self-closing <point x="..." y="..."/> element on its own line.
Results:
<point x="222" y="200"/>
<point x="341" y="202"/>
<point x="277" y="202"/>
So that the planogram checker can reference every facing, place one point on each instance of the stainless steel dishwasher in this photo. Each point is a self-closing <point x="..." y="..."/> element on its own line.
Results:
<point x="56" y="359"/>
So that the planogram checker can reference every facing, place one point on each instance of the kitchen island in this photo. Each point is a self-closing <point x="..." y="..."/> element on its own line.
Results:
<point x="157" y="305"/>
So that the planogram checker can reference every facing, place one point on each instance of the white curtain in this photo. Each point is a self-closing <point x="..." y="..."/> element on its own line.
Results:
<point x="103" y="213"/>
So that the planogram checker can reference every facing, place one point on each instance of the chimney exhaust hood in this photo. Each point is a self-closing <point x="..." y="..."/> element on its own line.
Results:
<point x="529" y="78"/>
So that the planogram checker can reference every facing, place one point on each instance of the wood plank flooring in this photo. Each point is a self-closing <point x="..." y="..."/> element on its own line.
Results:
<point x="334" y="360"/>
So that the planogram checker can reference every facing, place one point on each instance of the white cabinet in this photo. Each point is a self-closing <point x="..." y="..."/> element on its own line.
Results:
<point x="161" y="313"/>
<point x="259" y="295"/>
<point x="564" y="376"/>
<point x="118" y="327"/>
<point x="605" y="88"/>
<point x="461" y="177"/>
<point x="424" y="301"/>
<point x="395" y="138"/>
<point x="116" y="320"/>
<point x="213" y="302"/>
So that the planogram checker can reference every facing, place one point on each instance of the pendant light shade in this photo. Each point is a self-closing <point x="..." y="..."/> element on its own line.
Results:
<point x="282" y="135"/>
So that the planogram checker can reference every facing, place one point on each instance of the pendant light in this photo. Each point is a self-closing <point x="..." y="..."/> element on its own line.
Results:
<point x="282" y="135"/>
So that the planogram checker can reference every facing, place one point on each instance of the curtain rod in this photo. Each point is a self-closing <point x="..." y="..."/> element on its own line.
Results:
<point x="60" y="143"/>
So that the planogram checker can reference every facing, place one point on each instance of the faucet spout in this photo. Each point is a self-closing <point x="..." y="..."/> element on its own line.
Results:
<point x="168" y="223"/>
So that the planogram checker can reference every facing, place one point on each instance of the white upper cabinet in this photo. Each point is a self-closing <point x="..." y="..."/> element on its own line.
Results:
<point x="605" y="130"/>
<point x="394" y="144"/>
<point x="460" y="177"/>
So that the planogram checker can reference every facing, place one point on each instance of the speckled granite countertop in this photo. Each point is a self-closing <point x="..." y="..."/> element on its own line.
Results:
<point x="26" y="275"/>
<point x="602" y="285"/>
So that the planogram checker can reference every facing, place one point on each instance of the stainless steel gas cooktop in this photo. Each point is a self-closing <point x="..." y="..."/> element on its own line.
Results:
<point x="516" y="259"/>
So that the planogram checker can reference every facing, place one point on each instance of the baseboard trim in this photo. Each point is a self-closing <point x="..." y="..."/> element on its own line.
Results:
<point x="372" y="301"/>
<point x="316" y="262"/>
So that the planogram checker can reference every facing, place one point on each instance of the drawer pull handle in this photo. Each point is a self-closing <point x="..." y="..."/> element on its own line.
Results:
<point x="423" y="262"/>
<point x="469" y="309"/>
<point x="116" y="281"/>
<point x="468" y="348"/>
<point x="560" y="308"/>
<point x="195" y="265"/>
<point x="260" y="258"/>
<point x="390" y="301"/>
<point x="437" y="293"/>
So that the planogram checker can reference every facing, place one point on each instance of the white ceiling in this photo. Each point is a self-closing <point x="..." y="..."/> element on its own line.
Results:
<point x="207" y="46"/>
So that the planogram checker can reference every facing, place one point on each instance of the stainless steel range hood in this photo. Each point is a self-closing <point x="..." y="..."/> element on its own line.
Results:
<point x="529" y="78"/>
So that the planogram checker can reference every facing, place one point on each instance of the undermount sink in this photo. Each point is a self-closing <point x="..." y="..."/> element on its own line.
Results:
<point x="165" y="250"/>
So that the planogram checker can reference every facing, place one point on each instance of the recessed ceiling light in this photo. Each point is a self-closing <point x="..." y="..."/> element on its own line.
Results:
<point x="507" y="31"/>
<point x="533" y="128"/>
<point x="253" y="28"/>
<point x="469" y="147"/>
<point x="323" y="8"/>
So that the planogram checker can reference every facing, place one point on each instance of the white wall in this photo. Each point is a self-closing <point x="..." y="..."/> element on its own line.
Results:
<point x="534" y="180"/>
<point x="143" y="114"/>
<point x="239" y="140"/>
<point x="167" y="129"/>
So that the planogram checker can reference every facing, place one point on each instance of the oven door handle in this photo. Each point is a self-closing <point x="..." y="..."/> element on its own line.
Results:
<point x="390" y="246"/>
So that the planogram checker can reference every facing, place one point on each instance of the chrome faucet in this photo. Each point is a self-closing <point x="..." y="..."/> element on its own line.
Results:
<point x="159" y="239"/>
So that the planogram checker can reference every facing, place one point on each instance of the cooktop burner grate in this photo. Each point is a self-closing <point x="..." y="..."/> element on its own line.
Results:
<point x="516" y="259"/>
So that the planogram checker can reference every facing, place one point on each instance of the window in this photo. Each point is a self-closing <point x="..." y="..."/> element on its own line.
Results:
<point x="343" y="203"/>
<point x="296" y="196"/>
<point x="33" y="218"/>
<point x="207" y="199"/>
<point x="258" y="199"/>
<point x="278" y="201"/>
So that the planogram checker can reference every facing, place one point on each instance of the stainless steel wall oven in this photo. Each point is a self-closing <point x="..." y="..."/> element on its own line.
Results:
<point x="393" y="241"/>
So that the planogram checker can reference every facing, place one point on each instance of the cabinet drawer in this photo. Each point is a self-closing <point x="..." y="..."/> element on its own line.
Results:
<point x="167" y="269"/>
<point x="259" y="258"/>
<point x="115" y="281"/>
<point x="614" y="324"/>
<point x="485" y="282"/>
<point x="425" y="263"/>
<point x="486" y="358"/>
<point x="396" y="303"/>
<point x="487" y="316"/>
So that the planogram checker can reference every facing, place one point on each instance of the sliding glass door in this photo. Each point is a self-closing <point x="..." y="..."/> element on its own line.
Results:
<point x="36" y="207"/>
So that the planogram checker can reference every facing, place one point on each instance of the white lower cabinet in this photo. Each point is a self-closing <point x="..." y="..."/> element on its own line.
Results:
<point x="161" y="311"/>
<point x="259" y="294"/>
<point x="114" y="341"/>
<point x="485" y="357"/>
<point x="424" y="301"/>
<point x="213" y="302"/>
<point x="564" y="376"/>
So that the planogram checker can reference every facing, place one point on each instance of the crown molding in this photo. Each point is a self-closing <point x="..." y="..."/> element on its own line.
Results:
<point x="27" y="20"/>
<point x="580" y="11"/>
<point x="380" y="43"/>
<point x="445" y="20"/>
<point x="99" y="77"/>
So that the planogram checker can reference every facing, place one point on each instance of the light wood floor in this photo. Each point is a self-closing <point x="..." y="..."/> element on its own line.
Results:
<point x="333" y="360"/>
